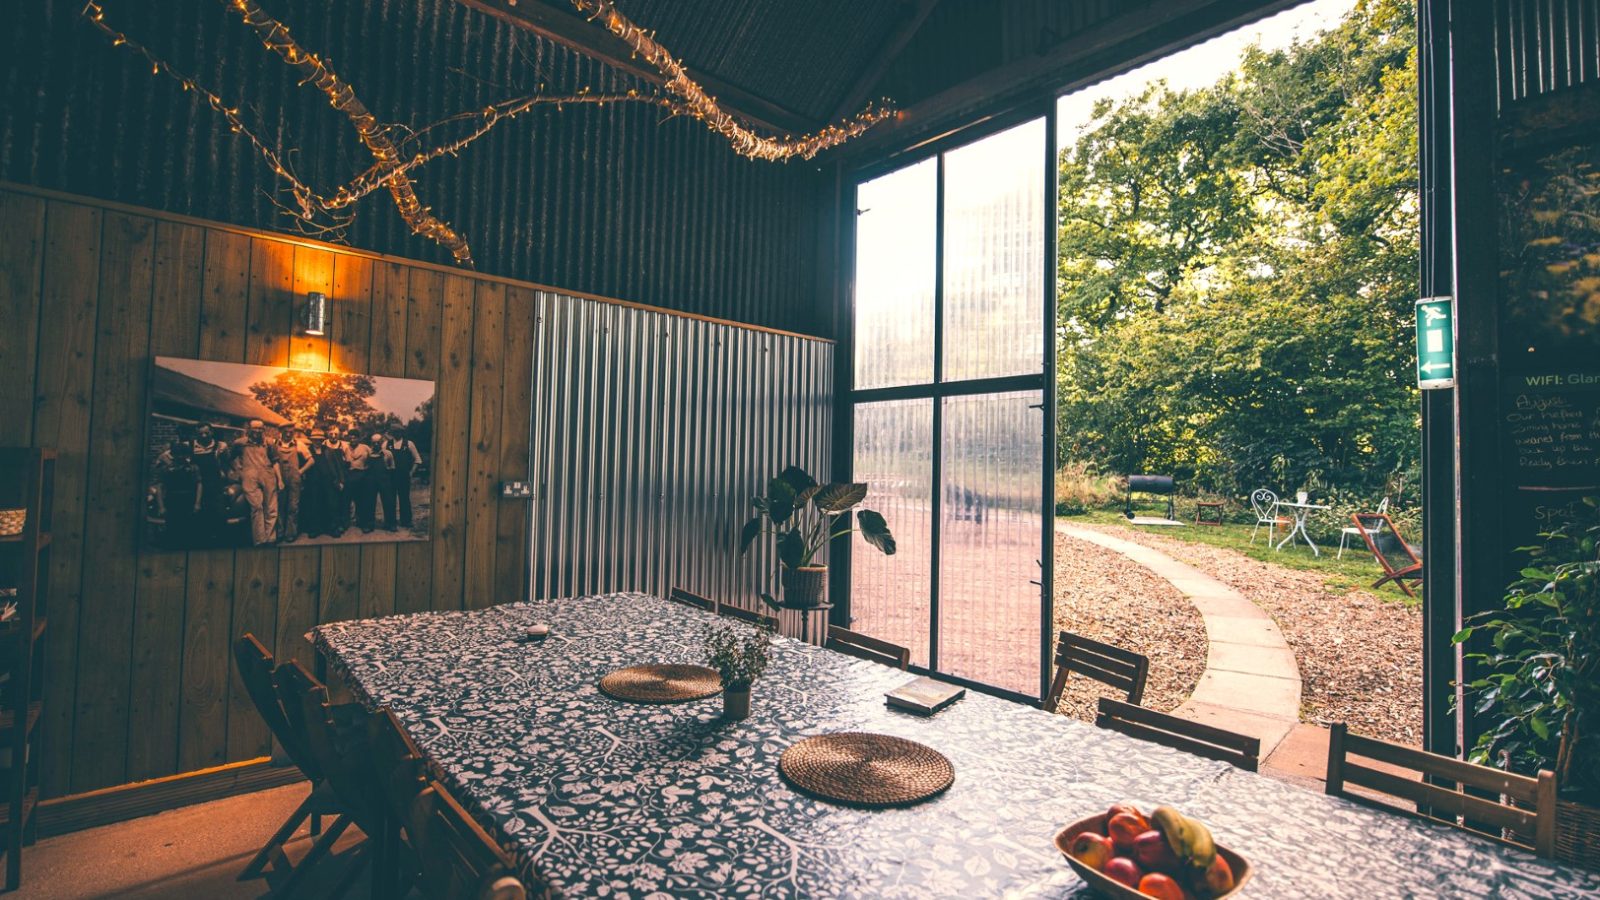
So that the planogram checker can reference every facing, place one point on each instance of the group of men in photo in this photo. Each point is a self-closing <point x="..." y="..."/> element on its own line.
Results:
<point x="285" y="482"/>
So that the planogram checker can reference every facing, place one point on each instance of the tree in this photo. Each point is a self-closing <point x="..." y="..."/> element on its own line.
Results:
<point x="313" y="399"/>
<point x="1238" y="265"/>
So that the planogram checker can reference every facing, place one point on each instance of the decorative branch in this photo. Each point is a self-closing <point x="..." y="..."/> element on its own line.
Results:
<point x="705" y="107"/>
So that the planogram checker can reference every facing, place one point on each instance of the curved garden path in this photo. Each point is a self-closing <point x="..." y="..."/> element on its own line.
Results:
<point x="1251" y="684"/>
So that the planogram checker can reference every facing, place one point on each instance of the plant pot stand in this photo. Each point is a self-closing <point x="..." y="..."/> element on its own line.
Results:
<point x="806" y="610"/>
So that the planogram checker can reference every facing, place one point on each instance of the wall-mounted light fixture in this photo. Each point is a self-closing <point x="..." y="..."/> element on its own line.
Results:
<point x="314" y="318"/>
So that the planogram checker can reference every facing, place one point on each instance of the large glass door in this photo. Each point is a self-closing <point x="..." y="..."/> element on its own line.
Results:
<point x="950" y="315"/>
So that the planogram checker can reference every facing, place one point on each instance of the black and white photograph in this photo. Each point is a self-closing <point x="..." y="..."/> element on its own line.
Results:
<point x="259" y="456"/>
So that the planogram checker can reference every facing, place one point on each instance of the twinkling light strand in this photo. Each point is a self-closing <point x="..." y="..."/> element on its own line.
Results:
<point x="704" y="107"/>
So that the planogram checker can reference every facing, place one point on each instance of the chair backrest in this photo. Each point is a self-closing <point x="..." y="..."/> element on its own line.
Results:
<point x="459" y="860"/>
<point x="341" y="751"/>
<point x="1180" y="734"/>
<point x="1261" y="501"/>
<point x="687" y="598"/>
<point x="1391" y="550"/>
<point x="1112" y="666"/>
<point x="1527" y="810"/>
<point x="397" y="764"/>
<point x="868" y="648"/>
<point x="256" y="666"/>
<point x="747" y="615"/>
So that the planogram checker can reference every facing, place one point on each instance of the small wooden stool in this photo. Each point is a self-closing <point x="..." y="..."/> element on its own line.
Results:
<point x="1208" y="512"/>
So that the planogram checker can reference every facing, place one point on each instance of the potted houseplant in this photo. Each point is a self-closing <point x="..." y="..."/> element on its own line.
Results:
<point x="740" y="654"/>
<point x="805" y="517"/>
<point x="1538" y="679"/>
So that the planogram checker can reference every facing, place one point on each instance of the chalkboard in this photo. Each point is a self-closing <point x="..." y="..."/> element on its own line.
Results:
<point x="1551" y="423"/>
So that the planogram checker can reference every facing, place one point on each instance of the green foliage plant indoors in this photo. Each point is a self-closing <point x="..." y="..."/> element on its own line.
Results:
<point x="806" y="517"/>
<point x="1539" y="687"/>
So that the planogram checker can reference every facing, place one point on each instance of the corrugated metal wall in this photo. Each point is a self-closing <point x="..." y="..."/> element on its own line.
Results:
<point x="1545" y="45"/>
<point x="651" y="434"/>
<point x="611" y="201"/>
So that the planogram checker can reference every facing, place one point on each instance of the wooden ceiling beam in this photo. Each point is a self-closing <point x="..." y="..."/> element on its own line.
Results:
<point x="888" y="52"/>
<point x="567" y="28"/>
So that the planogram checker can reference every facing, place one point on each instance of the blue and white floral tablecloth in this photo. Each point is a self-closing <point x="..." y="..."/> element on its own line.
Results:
<point x="607" y="799"/>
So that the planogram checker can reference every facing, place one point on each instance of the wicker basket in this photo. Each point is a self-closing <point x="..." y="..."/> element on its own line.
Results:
<point x="12" y="520"/>
<point x="1578" y="834"/>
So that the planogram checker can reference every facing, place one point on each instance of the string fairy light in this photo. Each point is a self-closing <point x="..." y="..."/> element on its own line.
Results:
<point x="704" y="107"/>
<point x="393" y="162"/>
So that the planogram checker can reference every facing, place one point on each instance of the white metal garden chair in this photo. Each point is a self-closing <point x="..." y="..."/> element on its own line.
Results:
<point x="1383" y="509"/>
<point x="1265" y="505"/>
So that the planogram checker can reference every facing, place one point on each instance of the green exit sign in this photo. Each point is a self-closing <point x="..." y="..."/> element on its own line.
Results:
<point x="1436" y="343"/>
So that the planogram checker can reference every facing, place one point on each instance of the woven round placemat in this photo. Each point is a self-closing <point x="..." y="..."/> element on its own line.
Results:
<point x="869" y="770"/>
<point x="662" y="683"/>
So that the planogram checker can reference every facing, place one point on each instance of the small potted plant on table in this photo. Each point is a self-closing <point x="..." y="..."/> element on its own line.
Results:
<point x="806" y="517"/>
<point x="740" y="654"/>
<point x="1538" y="684"/>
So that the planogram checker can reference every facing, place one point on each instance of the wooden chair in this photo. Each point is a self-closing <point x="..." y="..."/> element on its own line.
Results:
<point x="1180" y="734"/>
<point x="458" y="859"/>
<point x="747" y="615"/>
<point x="1399" y="559"/>
<point x="1534" y="814"/>
<point x="342" y="754"/>
<point x="679" y="595"/>
<point x="256" y="666"/>
<point x="1114" y="667"/>
<point x="868" y="648"/>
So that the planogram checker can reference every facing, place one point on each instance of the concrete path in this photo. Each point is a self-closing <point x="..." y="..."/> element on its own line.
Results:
<point x="1251" y="683"/>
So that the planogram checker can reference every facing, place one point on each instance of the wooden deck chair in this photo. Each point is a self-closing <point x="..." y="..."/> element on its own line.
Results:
<point x="336" y="738"/>
<point x="1112" y="666"/>
<point x="1534" y="812"/>
<point x="1399" y="559"/>
<point x="1230" y="747"/>
<point x="458" y="859"/>
<point x="871" y="649"/>
<point x="747" y="615"/>
<point x="256" y="666"/>
<point x="679" y="595"/>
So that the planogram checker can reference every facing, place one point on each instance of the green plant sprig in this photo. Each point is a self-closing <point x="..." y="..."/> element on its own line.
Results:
<point x="739" y="653"/>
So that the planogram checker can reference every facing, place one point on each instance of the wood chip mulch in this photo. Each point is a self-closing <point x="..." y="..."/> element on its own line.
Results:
<point x="1100" y="594"/>
<point x="1360" y="654"/>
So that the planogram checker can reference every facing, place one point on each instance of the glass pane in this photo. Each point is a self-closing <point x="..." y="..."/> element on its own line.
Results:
<point x="896" y="242"/>
<point x="994" y="224"/>
<point x="989" y="607"/>
<point x="889" y="595"/>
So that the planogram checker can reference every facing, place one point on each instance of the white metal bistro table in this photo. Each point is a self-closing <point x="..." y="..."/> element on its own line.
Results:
<point x="1301" y="512"/>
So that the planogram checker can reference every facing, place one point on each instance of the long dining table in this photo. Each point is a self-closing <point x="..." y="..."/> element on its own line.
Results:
<point x="600" y="798"/>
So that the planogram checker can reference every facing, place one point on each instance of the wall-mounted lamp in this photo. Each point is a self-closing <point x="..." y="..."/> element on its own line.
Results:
<point x="314" y="319"/>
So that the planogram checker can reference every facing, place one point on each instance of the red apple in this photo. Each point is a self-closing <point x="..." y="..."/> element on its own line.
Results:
<point x="1124" y="828"/>
<point x="1153" y="852"/>
<point x="1158" y="885"/>
<point x="1093" y="850"/>
<point x="1219" y="876"/>
<point x="1123" y="869"/>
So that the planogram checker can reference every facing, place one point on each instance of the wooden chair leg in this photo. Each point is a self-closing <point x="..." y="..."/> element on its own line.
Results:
<point x="276" y="842"/>
<point x="313" y="856"/>
<point x="360" y="859"/>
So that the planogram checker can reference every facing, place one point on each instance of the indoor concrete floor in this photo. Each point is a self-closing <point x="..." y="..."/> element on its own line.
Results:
<point x="194" y="852"/>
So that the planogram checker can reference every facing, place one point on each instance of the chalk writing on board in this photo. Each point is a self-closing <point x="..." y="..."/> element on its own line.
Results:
<point x="1552" y="427"/>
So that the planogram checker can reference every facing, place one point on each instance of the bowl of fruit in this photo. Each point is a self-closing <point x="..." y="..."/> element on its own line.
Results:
<point x="1121" y="853"/>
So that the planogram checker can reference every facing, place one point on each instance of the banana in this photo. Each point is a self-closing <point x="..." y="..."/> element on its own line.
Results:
<point x="1190" y="840"/>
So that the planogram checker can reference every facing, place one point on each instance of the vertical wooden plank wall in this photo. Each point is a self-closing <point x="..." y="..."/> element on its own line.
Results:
<point x="140" y="675"/>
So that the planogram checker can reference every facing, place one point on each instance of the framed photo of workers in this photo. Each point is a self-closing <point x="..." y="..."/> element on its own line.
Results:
<point x="258" y="456"/>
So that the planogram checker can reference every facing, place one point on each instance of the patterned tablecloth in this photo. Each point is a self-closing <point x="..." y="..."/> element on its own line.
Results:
<point x="609" y="799"/>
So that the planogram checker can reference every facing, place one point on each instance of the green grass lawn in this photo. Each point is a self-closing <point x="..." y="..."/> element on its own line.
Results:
<point x="1357" y="570"/>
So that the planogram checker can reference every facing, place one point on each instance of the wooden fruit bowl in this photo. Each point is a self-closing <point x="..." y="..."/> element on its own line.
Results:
<point x="1110" y="888"/>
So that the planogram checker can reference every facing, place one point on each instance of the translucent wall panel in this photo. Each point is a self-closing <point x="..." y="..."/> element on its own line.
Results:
<point x="889" y="595"/>
<point x="990" y="528"/>
<point x="896" y="238"/>
<point x="994" y="223"/>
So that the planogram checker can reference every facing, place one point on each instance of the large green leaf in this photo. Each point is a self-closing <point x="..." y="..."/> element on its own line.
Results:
<point x="839" y="496"/>
<point x="876" y="531"/>
<point x="780" y="501"/>
<point x="798" y="479"/>
<point x="791" y="548"/>
<point x="747" y="535"/>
